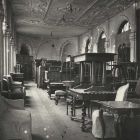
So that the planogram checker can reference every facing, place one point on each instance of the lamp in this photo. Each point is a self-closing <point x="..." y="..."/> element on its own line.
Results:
<point x="69" y="8"/>
<point x="53" y="45"/>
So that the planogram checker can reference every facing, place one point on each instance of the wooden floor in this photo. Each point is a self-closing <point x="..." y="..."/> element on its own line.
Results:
<point x="50" y="121"/>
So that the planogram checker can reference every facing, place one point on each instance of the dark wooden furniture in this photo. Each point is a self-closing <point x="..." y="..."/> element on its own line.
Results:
<point x="93" y="67"/>
<point x="125" y="72"/>
<point x="93" y="76"/>
<point x="121" y="110"/>
<point x="86" y="97"/>
<point x="53" y="86"/>
<point x="70" y="70"/>
<point x="26" y="65"/>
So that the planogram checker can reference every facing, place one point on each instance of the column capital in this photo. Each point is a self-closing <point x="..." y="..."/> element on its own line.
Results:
<point x="7" y="32"/>
<point x="12" y="41"/>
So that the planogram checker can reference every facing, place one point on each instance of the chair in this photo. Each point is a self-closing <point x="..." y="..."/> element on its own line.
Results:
<point x="18" y="77"/>
<point x="134" y="96"/>
<point x="12" y="82"/>
<point x="15" y="122"/>
<point x="137" y="89"/>
<point x="134" y="89"/>
<point x="59" y="94"/>
<point x="14" y="92"/>
<point x="108" y="118"/>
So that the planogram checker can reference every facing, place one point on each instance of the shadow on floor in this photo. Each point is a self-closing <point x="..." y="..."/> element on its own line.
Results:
<point x="37" y="137"/>
<point x="28" y="101"/>
<point x="28" y="87"/>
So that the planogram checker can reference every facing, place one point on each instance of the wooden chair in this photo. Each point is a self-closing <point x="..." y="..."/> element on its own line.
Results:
<point x="108" y="118"/>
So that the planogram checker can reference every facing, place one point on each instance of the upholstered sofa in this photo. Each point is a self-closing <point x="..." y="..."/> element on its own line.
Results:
<point x="15" y="122"/>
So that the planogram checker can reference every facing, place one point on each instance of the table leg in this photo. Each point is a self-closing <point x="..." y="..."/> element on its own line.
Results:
<point x="83" y="127"/>
<point x="72" y="104"/>
<point x="56" y="99"/>
<point x="74" y="110"/>
<point x="102" y="123"/>
<point x="119" y="126"/>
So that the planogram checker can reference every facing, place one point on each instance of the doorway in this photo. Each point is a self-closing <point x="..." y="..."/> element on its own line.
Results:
<point x="26" y="62"/>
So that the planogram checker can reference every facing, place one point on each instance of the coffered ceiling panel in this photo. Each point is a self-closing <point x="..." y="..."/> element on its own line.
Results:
<point x="63" y="17"/>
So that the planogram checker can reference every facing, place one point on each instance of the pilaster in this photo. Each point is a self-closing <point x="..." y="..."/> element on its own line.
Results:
<point x="1" y="39"/>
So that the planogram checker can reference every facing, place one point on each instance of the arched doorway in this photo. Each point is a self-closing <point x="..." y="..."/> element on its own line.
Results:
<point x="65" y="50"/>
<point x="25" y="61"/>
<point x="101" y="43"/>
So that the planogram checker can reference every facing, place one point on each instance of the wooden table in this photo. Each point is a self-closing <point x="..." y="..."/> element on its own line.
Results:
<point x="120" y="110"/>
<point x="68" y="84"/>
<point x="86" y="97"/>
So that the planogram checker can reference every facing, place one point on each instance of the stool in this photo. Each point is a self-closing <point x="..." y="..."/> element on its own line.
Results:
<point x="59" y="94"/>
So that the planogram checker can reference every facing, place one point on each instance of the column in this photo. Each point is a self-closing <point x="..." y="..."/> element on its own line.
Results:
<point x="81" y="72"/>
<point x="93" y="74"/>
<point x="6" y="51"/>
<point x="132" y="38"/>
<point x="12" y="54"/>
<point x="104" y="74"/>
<point x="1" y="40"/>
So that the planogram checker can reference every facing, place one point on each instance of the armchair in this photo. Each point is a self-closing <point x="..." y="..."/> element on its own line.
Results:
<point x="15" y="122"/>
<point x="13" y="92"/>
<point x="108" y="118"/>
<point x="12" y="82"/>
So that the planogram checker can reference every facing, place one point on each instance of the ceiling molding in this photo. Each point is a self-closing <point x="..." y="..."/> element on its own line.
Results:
<point x="49" y="4"/>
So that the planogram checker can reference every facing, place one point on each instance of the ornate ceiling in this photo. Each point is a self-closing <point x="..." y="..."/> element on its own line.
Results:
<point x="63" y="17"/>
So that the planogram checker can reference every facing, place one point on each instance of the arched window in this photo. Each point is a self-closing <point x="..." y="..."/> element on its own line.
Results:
<point x="123" y="42"/>
<point x="124" y="27"/>
<point x="101" y="42"/>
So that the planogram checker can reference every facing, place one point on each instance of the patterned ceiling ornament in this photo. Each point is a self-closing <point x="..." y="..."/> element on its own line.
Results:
<point x="78" y="14"/>
<point x="69" y="8"/>
<point x="39" y="9"/>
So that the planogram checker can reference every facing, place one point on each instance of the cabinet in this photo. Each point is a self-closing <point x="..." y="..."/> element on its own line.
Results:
<point x="26" y="63"/>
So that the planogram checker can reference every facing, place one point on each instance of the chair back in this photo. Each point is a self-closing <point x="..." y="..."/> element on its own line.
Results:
<point x="122" y="93"/>
<point x="9" y="80"/>
<point x="137" y="89"/>
<point x="5" y="84"/>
